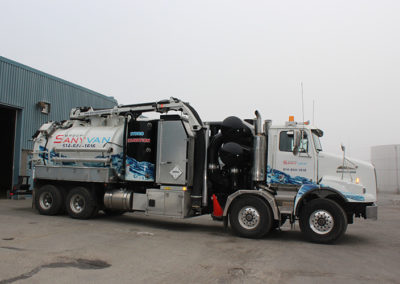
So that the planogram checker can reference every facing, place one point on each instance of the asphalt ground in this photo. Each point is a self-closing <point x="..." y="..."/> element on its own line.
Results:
<point x="135" y="248"/>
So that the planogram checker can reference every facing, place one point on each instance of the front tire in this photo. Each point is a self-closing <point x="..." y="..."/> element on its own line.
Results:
<point x="80" y="203"/>
<point x="49" y="200"/>
<point x="250" y="217"/>
<point x="323" y="221"/>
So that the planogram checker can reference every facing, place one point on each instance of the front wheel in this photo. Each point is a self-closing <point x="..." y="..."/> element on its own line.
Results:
<point x="323" y="221"/>
<point x="250" y="217"/>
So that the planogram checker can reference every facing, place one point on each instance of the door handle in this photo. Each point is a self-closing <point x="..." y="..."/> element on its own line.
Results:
<point x="305" y="155"/>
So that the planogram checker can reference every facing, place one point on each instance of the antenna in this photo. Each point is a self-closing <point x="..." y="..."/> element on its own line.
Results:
<point x="302" y="100"/>
<point x="302" y="108"/>
<point x="313" y="113"/>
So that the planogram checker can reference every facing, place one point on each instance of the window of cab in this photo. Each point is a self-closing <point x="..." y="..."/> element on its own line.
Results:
<point x="286" y="142"/>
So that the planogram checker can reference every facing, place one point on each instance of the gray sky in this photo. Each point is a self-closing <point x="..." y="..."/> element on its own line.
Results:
<point x="227" y="57"/>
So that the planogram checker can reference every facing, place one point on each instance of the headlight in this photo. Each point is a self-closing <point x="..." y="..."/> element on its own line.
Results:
<point x="357" y="180"/>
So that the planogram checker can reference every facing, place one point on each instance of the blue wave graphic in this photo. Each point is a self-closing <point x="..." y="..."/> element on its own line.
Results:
<point x="275" y="176"/>
<point x="94" y="164"/>
<point x="116" y="162"/>
<point x="352" y="196"/>
<point x="278" y="177"/>
<point x="45" y="156"/>
<point x="307" y="187"/>
<point x="141" y="171"/>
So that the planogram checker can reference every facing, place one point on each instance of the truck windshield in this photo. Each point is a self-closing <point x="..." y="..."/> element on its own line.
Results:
<point x="316" y="140"/>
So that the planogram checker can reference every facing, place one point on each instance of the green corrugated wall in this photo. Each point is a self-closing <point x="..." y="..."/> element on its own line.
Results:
<point x="22" y="87"/>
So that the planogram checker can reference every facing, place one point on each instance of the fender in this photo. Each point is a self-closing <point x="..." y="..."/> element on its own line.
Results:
<point x="263" y="194"/>
<point x="322" y="192"/>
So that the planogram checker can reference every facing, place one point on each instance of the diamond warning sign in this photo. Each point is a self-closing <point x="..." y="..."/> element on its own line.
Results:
<point x="175" y="172"/>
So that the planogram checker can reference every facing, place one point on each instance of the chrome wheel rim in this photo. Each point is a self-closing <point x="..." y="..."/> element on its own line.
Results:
<point x="249" y="217"/>
<point x="46" y="200"/>
<point x="321" y="222"/>
<point x="77" y="203"/>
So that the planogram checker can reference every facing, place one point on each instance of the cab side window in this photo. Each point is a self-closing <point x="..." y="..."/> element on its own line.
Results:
<point x="286" y="142"/>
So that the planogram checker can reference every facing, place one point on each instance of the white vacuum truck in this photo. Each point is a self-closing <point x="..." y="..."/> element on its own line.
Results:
<point x="248" y="173"/>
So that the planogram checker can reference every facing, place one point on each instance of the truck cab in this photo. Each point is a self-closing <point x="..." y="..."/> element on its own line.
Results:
<point x="309" y="164"/>
<point x="298" y="166"/>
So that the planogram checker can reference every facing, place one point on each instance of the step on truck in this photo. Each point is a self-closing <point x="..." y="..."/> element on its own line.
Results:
<point x="249" y="174"/>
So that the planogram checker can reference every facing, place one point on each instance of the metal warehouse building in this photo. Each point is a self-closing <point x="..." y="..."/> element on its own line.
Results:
<point x="29" y="98"/>
<point x="386" y="159"/>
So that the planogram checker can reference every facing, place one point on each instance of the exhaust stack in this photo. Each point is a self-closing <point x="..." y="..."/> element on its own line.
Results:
<point x="259" y="151"/>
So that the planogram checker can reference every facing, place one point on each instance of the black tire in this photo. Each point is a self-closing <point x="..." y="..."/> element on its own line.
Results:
<point x="323" y="221"/>
<point x="250" y="217"/>
<point x="49" y="200"/>
<point x="80" y="203"/>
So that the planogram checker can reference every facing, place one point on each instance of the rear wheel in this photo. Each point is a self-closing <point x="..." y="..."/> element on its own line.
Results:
<point x="250" y="217"/>
<point x="80" y="203"/>
<point x="49" y="200"/>
<point x="323" y="221"/>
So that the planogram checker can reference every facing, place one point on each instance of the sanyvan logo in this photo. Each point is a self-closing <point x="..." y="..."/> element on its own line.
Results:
<point x="77" y="139"/>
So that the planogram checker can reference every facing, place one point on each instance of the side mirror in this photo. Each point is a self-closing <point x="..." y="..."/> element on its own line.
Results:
<point x="296" y="142"/>
<point x="343" y="147"/>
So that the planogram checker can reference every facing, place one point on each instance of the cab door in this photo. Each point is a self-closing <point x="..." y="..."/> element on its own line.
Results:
<point x="290" y="168"/>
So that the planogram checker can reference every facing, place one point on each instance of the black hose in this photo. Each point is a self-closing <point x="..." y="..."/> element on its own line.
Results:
<point x="196" y="115"/>
<point x="199" y="161"/>
<point x="215" y="144"/>
<point x="124" y="147"/>
<point x="214" y="171"/>
<point x="45" y="148"/>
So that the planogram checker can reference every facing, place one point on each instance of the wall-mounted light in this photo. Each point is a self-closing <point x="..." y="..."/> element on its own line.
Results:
<point x="44" y="107"/>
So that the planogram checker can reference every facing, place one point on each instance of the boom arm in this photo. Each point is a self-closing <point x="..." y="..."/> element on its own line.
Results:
<point x="161" y="107"/>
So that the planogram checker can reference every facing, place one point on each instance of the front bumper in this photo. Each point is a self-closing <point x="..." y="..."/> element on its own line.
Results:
<point x="371" y="212"/>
